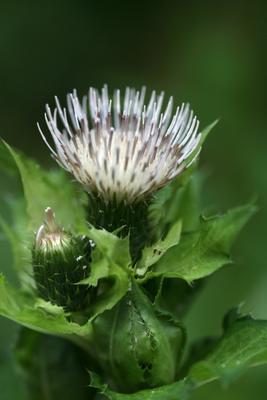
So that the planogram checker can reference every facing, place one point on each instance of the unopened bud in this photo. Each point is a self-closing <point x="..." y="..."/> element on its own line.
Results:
<point x="60" y="262"/>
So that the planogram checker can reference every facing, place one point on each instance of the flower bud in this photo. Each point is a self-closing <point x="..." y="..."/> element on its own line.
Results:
<point x="60" y="262"/>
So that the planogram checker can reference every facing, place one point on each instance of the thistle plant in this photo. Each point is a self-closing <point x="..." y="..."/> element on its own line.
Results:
<point x="111" y="248"/>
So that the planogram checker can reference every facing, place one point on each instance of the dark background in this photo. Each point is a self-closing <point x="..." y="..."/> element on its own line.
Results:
<point x="211" y="54"/>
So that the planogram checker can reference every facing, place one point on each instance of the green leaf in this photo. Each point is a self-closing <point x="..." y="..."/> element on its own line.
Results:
<point x="188" y="208"/>
<point x="135" y="346"/>
<point x="175" y="391"/>
<point x="192" y="158"/>
<point x="180" y="200"/>
<point x="243" y="345"/>
<point x="41" y="189"/>
<point x="206" y="131"/>
<point x="174" y="295"/>
<point x="9" y="372"/>
<point x="110" y="246"/>
<point x="204" y="251"/>
<point x="152" y="254"/>
<point x="110" y="268"/>
<point x="52" y="367"/>
<point x="7" y="165"/>
<point x="39" y="316"/>
<point x="13" y="223"/>
<point x="49" y="188"/>
<point x="20" y="242"/>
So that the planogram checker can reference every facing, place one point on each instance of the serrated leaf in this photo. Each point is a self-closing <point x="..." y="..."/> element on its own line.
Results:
<point x="110" y="264"/>
<point x="202" y="252"/>
<point x="175" y="391"/>
<point x="118" y="280"/>
<point x="110" y="246"/>
<point x="49" y="188"/>
<point x="135" y="346"/>
<point x="24" y="310"/>
<point x="243" y="345"/>
<point x="152" y="254"/>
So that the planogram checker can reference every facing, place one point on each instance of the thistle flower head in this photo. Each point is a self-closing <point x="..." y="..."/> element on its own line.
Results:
<point x="122" y="150"/>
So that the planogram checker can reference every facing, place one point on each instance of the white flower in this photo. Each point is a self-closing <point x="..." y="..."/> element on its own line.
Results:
<point x="123" y="151"/>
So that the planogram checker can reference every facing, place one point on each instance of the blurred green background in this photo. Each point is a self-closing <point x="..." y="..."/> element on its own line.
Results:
<point x="212" y="54"/>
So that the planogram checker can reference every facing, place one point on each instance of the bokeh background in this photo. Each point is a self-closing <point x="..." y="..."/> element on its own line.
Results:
<point x="211" y="54"/>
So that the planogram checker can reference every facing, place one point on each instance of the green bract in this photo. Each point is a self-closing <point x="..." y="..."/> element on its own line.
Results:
<point x="130" y="332"/>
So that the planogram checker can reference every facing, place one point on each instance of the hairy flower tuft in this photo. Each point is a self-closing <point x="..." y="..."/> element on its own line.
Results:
<point x="50" y="237"/>
<point x="122" y="150"/>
